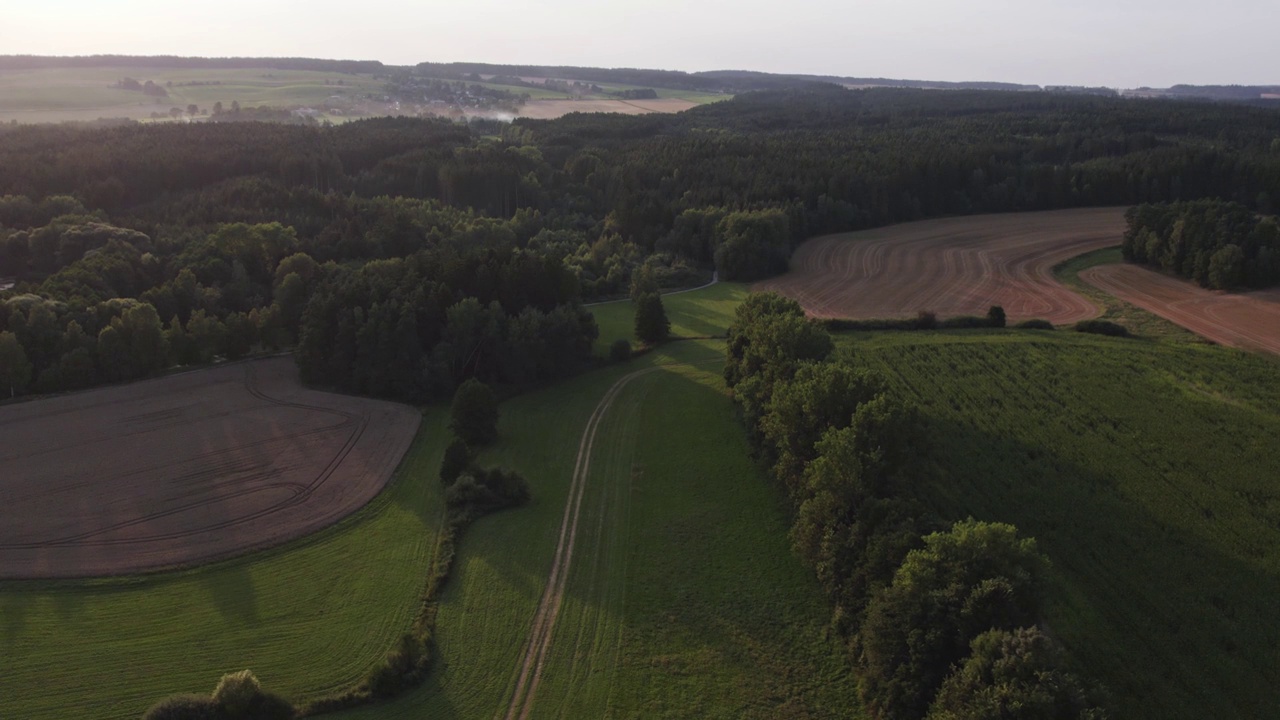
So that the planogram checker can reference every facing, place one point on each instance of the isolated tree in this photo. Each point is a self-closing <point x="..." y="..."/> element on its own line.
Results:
<point x="474" y="413"/>
<point x="652" y="325"/>
<point x="217" y="108"/>
<point x="15" y="368"/>
<point x="193" y="110"/>
<point x="457" y="458"/>
<point x="996" y="317"/>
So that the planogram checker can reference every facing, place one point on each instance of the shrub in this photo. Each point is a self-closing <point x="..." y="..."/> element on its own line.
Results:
<point x="184" y="707"/>
<point x="996" y="317"/>
<point x="474" y="413"/>
<point x="963" y="322"/>
<point x="1035" y="324"/>
<point x="456" y="459"/>
<point x="236" y="692"/>
<point x="620" y="350"/>
<point x="926" y="320"/>
<point x="652" y="325"/>
<point x="1102" y="327"/>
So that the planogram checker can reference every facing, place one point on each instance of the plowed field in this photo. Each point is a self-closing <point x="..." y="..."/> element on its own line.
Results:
<point x="955" y="266"/>
<point x="185" y="469"/>
<point x="1248" y="320"/>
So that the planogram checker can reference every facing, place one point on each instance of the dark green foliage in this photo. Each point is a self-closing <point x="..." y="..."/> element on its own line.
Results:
<point x="1102" y="327"/>
<point x="620" y="350"/>
<point x="926" y="320"/>
<point x="1014" y="675"/>
<point x="652" y="325"/>
<point x="474" y="414"/>
<point x="478" y="491"/>
<point x="996" y="317"/>
<point x="752" y="245"/>
<point x="15" y="367"/>
<point x="962" y="583"/>
<point x="1218" y="244"/>
<point x="185" y="707"/>
<point x="1035" y="324"/>
<point x="458" y="456"/>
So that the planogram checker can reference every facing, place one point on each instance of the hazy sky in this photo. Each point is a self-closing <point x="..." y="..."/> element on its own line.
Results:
<point x="1118" y="43"/>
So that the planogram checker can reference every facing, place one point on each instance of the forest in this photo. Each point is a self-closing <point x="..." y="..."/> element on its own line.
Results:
<point x="1221" y="245"/>
<point x="400" y="256"/>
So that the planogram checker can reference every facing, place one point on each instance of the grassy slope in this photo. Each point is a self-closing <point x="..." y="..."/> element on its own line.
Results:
<point x="701" y="313"/>
<point x="683" y="597"/>
<point x="1147" y="471"/>
<point x="309" y="617"/>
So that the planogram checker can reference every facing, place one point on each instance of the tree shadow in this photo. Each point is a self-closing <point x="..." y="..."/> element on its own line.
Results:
<point x="231" y="589"/>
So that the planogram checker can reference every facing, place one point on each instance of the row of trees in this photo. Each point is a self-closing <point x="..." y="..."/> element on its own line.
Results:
<point x="940" y="623"/>
<point x="1219" y="244"/>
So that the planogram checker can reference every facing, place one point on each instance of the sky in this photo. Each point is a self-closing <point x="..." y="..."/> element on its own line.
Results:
<point x="1114" y="43"/>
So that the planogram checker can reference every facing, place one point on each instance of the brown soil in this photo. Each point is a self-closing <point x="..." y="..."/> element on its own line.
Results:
<point x="1249" y="320"/>
<point x="185" y="469"/>
<point x="955" y="266"/>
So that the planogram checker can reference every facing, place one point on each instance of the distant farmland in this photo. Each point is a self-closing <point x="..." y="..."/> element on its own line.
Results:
<point x="955" y="266"/>
<point x="179" y="470"/>
<point x="1246" y="320"/>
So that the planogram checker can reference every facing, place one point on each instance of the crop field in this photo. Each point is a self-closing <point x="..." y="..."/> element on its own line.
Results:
<point x="63" y="94"/>
<point x="310" y="617"/>
<point x="676" y="593"/>
<point x="954" y="266"/>
<point x="1147" y="472"/>
<point x="187" y="468"/>
<point x="697" y="314"/>
<point x="1244" y="320"/>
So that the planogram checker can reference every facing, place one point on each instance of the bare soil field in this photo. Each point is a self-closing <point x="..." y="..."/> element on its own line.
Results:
<point x="185" y="469"/>
<point x="953" y="266"/>
<point x="551" y="109"/>
<point x="1245" y="320"/>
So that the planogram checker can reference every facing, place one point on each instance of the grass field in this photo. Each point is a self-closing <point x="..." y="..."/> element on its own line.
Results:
<point x="701" y="313"/>
<point x="1139" y="321"/>
<point x="309" y="618"/>
<point x="58" y="94"/>
<point x="683" y="599"/>
<point x="1147" y="471"/>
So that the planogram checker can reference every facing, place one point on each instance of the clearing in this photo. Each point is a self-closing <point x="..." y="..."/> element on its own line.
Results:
<point x="184" y="469"/>
<point x="1244" y="320"/>
<point x="551" y="109"/>
<point x="954" y="266"/>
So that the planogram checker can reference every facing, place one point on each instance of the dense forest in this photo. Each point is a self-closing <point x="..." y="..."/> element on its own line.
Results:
<point x="1218" y="244"/>
<point x="136" y="247"/>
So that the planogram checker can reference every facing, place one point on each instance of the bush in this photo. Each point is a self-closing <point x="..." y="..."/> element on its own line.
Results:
<point x="1035" y="324"/>
<point x="184" y="707"/>
<point x="964" y="322"/>
<point x="474" y="413"/>
<point x="996" y="317"/>
<point x="652" y="325"/>
<point x="1102" y="327"/>
<point x="487" y="490"/>
<point x="456" y="459"/>
<point x="236" y="692"/>
<point x="926" y="320"/>
<point x="620" y="350"/>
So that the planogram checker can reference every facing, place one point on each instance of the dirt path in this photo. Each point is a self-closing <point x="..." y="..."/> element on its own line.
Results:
<point x="544" y="620"/>
<point x="952" y="266"/>
<point x="1245" y="320"/>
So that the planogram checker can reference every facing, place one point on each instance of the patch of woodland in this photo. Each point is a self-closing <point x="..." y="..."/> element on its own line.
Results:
<point x="939" y="621"/>
<point x="1219" y="244"/>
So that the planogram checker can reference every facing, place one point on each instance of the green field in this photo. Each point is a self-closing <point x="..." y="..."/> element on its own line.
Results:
<point x="1147" y="471"/>
<point x="683" y="599"/>
<point x="1139" y="321"/>
<point x="701" y="313"/>
<point x="309" y="618"/>
<point x="59" y="94"/>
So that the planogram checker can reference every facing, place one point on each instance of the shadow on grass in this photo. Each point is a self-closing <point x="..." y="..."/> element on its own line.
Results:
<point x="231" y="590"/>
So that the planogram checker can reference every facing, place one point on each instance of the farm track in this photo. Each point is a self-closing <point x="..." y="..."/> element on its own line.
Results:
<point x="1245" y="320"/>
<point x="539" y="643"/>
<point x="102" y="483"/>
<point x="954" y="266"/>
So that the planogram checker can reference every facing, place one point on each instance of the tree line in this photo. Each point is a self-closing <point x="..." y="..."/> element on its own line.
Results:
<point x="1221" y="245"/>
<point x="939" y="621"/>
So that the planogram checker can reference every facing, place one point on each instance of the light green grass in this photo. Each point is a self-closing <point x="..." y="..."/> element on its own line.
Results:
<point x="309" y="618"/>
<point x="58" y="94"/>
<point x="699" y="313"/>
<point x="1148" y="473"/>
<point x="1138" y="321"/>
<point x="683" y="597"/>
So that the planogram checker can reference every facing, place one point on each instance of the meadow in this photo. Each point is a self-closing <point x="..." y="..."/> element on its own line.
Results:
<point x="62" y="94"/>
<point x="698" y="314"/>
<point x="1145" y="469"/>
<point x="309" y="618"/>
